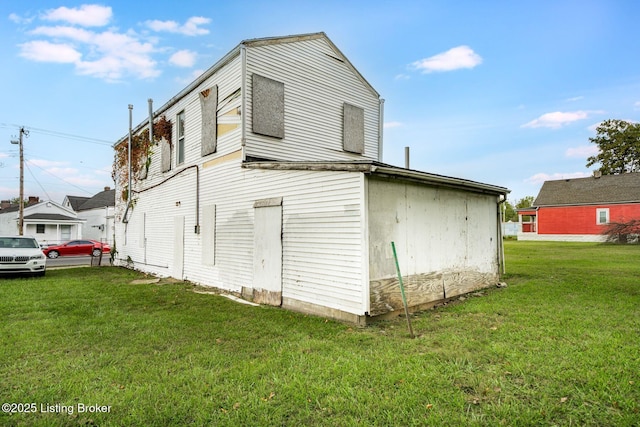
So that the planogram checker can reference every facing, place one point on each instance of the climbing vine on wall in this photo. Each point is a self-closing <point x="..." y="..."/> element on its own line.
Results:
<point x="141" y="151"/>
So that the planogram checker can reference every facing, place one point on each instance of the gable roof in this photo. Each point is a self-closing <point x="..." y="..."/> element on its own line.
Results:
<point x="76" y="201"/>
<point x="100" y="200"/>
<point x="234" y="53"/>
<point x="588" y="191"/>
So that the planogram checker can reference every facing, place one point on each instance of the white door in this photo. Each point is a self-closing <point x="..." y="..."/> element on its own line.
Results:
<point x="178" y="247"/>
<point x="267" y="255"/>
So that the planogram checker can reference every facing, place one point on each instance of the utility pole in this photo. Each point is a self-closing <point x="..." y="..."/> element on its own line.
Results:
<point x="23" y="132"/>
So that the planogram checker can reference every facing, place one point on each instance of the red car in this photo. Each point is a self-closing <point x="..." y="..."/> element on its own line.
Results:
<point x="77" y="247"/>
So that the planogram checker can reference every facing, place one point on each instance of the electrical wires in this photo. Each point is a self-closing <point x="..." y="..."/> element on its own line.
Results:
<point x="61" y="134"/>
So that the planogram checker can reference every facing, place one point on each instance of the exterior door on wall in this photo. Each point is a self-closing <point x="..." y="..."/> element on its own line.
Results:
<point x="65" y="233"/>
<point x="178" y="247"/>
<point x="267" y="252"/>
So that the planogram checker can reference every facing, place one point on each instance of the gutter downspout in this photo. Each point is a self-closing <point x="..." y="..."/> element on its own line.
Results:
<point x="243" y="107"/>
<point x="501" y="261"/>
<point x="380" y="128"/>
<point x="197" y="226"/>
<point x="150" y="120"/>
<point x="129" y="188"/>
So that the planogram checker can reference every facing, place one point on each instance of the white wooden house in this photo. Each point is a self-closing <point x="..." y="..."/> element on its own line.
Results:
<point x="272" y="187"/>
<point x="49" y="222"/>
<point x="98" y="212"/>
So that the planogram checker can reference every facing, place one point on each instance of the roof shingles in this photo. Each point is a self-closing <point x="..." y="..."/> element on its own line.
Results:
<point x="587" y="191"/>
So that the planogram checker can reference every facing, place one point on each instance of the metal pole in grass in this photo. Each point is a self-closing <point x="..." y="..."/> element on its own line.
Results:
<point x="404" y="299"/>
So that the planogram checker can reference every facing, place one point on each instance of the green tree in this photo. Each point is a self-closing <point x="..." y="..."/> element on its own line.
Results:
<point x="525" y="202"/>
<point x="618" y="143"/>
<point x="16" y="201"/>
<point x="510" y="212"/>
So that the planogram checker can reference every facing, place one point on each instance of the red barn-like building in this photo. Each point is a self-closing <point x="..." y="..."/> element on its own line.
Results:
<point x="581" y="209"/>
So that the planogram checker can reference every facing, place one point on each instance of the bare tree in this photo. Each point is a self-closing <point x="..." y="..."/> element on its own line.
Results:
<point x="623" y="232"/>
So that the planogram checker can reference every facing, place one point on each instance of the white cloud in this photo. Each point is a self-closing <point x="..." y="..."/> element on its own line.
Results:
<point x="87" y="15"/>
<point x="83" y="180"/>
<point x="575" y="98"/>
<point x="183" y="58"/>
<point x="402" y="77"/>
<point x="389" y="125"/>
<point x="64" y="172"/>
<point x="45" y="163"/>
<point x="453" y="59"/>
<point x="556" y="119"/>
<point x="581" y="152"/>
<point x="19" y="19"/>
<point x="637" y="105"/>
<point x="113" y="68"/>
<point x="44" y="51"/>
<point x="593" y="128"/>
<point x="73" y="33"/>
<point x="57" y="171"/>
<point x="539" y="178"/>
<point x="189" y="28"/>
<point x="105" y="171"/>
<point x="191" y="77"/>
<point x="3" y="155"/>
<point x="110" y="54"/>
<point x="121" y="54"/>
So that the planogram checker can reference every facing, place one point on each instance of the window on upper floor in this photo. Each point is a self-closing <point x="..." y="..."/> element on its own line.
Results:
<point x="268" y="107"/>
<point x="602" y="216"/>
<point x="352" y="129"/>
<point x="229" y="114"/>
<point x="209" y="107"/>
<point x="180" y="148"/>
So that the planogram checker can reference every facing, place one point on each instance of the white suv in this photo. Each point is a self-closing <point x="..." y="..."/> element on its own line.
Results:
<point x="21" y="255"/>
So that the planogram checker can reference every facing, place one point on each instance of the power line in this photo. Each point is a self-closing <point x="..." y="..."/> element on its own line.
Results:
<point x="36" y="180"/>
<point x="61" y="134"/>
<point x="62" y="179"/>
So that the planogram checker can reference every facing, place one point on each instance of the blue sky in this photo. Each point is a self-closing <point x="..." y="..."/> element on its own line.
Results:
<point x="501" y="92"/>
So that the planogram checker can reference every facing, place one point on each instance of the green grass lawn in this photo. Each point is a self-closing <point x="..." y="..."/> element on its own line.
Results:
<point x="559" y="346"/>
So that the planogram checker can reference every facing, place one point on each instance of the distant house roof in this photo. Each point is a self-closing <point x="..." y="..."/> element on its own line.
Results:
<point x="100" y="200"/>
<point x="76" y="201"/>
<point x="16" y="207"/>
<point x="588" y="191"/>
<point x="51" y="217"/>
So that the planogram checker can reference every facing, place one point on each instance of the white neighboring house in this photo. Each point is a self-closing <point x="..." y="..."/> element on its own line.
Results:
<point x="49" y="222"/>
<point x="272" y="187"/>
<point x="98" y="212"/>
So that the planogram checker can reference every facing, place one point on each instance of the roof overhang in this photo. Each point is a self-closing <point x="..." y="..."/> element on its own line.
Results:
<point x="533" y="210"/>
<point x="382" y="170"/>
<point x="51" y="219"/>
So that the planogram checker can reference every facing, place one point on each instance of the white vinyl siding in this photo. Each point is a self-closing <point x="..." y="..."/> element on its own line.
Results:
<point x="336" y="225"/>
<point x="227" y="81"/>
<point x="322" y="231"/>
<point x="316" y="86"/>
